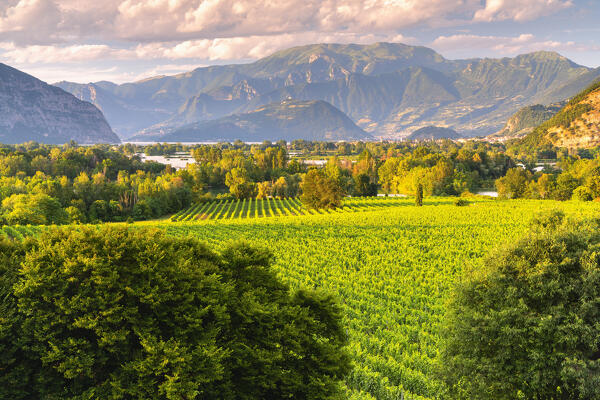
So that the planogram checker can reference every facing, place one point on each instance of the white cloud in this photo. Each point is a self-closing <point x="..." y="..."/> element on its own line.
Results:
<point x="502" y="45"/>
<point x="519" y="10"/>
<point x="52" y="54"/>
<point x="239" y="48"/>
<point x="58" y="21"/>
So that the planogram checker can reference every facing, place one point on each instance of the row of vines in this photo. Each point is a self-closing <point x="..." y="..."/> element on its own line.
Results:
<point x="271" y="207"/>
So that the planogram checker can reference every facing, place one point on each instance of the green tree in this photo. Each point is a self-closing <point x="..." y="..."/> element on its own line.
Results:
<point x="514" y="184"/>
<point x="113" y="313"/>
<point x="320" y="191"/>
<point x="38" y="209"/>
<point x="240" y="185"/>
<point x="419" y="195"/>
<point x="526" y="326"/>
<point x="363" y="185"/>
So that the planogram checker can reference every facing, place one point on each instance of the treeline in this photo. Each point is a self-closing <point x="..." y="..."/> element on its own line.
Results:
<point x="42" y="184"/>
<point x="573" y="178"/>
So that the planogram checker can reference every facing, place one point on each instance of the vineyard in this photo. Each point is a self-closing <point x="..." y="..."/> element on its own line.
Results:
<point x="260" y="208"/>
<point x="19" y="231"/>
<point x="392" y="268"/>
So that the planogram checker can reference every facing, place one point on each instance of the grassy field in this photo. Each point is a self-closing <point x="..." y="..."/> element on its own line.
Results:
<point x="392" y="268"/>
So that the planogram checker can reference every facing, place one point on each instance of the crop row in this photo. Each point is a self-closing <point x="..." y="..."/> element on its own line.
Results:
<point x="260" y="208"/>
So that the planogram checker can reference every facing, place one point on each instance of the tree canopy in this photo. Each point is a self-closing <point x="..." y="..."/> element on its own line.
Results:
<point x="320" y="191"/>
<point x="527" y="326"/>
<point x="114" y="313"/>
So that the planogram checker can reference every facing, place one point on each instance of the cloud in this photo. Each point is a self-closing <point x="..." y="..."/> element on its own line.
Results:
<point x="238" y="48"/>
<point x="502" y="45"/>
<point x="519" y="10"/>
<point x="146" y="21"/>
<point x="53" y="54"/>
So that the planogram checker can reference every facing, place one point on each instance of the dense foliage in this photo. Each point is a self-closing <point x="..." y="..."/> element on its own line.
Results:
<point x="526" y="326"/>
<point x="572" y="178"/>
<point x="42" y="184"/>
<point x="114" y="313"/>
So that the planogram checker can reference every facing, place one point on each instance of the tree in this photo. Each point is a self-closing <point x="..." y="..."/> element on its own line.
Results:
<point x="114" y="313"/>
<point x="39" y="209"/>
<point x="419" y="195"/>
<point x="363" y="185"/>
<point x="525" y="327"/>
<point x="239" y="184"/>
<point x="583" y="193"/>
<point x="514" y="184"/>
<point x="320" y="191"/>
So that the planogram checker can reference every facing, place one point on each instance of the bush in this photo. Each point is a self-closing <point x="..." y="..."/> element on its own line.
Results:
<point x="526" y="326"/>
<point x="134" y="314"/>
<point x="461" y="202"/>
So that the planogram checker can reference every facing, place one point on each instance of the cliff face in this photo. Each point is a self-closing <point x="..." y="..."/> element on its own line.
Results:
<point x="33" y="110"/>
<point x="576" y="125"/>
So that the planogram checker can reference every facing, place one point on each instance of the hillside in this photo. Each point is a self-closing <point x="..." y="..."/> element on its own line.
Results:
<point x="388" y="89"/>
<point x="433" y="133"/>
<point x="288" y="120"/>
<point x="33" y="110"/>
<point x="527" y="119"/>
<point x="576" y="125"/>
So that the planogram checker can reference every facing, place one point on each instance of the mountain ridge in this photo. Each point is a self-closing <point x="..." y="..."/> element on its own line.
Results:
<point x="476" y="96"/>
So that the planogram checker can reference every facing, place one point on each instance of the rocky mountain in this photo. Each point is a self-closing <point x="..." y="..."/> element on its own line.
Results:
<point x="433" y="133"/>
<point x="526" y="120"/>
<point x="388" y="89"/>
<point x="33" y="110"/>
<point x="288" y="120"/>
<point x="576" y="125"/>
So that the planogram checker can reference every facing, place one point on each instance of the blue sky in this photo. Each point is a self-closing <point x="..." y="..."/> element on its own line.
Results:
<point x="127" y="40"/>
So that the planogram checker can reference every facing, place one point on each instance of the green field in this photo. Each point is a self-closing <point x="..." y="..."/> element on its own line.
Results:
<point x="391" y="265"/>
<point x="392" y="268"/>
<point x="263" y="208"/>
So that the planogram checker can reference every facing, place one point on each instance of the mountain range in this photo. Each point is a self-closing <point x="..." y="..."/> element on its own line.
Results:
<point x="31" y="110"/>
<point x="388" y="89"/>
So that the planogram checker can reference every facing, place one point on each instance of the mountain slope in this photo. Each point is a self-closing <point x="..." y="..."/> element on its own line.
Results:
<point x="288" y="120"/>
<point x="576" y="125"/>
<point x="33" y="110"/>
<point x="527" y="119"/>
<point x="389" y="89"/>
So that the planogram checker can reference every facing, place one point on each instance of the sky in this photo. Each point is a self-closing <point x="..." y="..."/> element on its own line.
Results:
<point x="128" y="40"/>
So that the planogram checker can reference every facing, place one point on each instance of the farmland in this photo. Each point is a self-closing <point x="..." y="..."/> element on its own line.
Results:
<point x="392" y="269"/>
<point x="271" y="207"/>
<point x="391" y="264"/>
